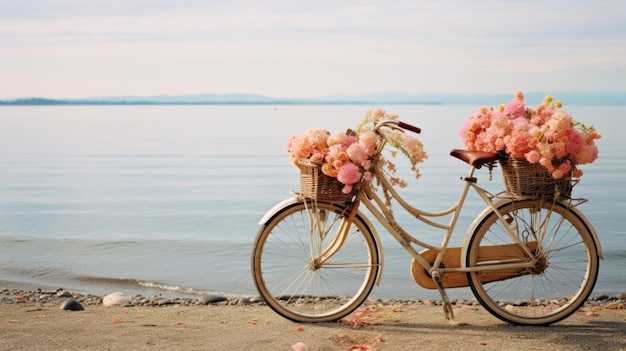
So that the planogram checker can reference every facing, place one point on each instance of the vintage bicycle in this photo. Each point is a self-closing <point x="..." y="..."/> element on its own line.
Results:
<point x="529" y="259"/>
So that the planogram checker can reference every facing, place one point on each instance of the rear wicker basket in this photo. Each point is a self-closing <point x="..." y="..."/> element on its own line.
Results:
<point x="316" y="185"/>
<point x="522" y="178"/>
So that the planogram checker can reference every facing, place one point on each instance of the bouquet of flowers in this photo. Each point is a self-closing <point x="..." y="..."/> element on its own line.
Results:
<point x="349" y="156"/>
<point x="546" y="135"/>
<point x="409" y="145"/>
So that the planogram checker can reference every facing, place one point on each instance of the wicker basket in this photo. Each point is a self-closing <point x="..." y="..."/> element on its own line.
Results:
<point x="522" y="178"/>
<point x="316" y="185"/>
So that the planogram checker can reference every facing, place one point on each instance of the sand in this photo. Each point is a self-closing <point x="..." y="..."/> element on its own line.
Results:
<point x="31" y="326"/>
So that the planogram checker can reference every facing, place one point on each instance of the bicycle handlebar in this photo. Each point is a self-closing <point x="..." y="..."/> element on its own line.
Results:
<point x="397" y="124"/>
<point x="410" y="127"/>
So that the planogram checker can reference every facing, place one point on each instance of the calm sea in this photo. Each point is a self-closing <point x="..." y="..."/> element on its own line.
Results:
<point x="166" y="199"/>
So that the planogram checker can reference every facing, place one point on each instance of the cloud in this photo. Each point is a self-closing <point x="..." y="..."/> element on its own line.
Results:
<point x="346" y="38"/>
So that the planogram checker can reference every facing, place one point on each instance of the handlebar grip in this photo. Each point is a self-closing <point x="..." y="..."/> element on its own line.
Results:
<point x="409" y="127"/>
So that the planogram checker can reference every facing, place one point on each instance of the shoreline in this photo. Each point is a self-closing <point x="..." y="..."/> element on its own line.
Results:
<point x="34" y="320"/>
<point x="57" y="296"/>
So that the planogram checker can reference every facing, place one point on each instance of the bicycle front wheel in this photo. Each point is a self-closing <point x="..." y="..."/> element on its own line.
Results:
<point x="560" y="252"/>
<point x="305" y="270"/>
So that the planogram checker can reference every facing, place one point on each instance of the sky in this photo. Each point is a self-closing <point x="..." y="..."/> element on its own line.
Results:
<point x="286" y="48"/>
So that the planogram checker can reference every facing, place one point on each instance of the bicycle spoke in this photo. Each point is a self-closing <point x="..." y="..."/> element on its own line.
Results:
<point x="564" y="265"/>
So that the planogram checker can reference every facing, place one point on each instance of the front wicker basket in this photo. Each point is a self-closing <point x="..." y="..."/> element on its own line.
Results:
<point x="522" y="178"/>
<point x="316" y="185"/>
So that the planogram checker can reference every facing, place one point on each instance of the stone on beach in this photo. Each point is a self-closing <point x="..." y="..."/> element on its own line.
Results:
<point x="63" y="293"/>
<point x="115" y="299"/>
<point x="71" y="305"/>
<point x="243" y="301"/>
<point x="207" y="299"/>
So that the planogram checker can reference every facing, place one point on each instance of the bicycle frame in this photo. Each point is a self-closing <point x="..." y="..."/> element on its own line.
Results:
<point x="375" y="205"/>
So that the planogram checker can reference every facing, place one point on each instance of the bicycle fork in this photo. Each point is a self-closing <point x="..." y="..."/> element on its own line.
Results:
<point x="340" y="237"/>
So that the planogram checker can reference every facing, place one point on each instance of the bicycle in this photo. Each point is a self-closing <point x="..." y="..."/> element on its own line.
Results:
<point x="528" y="260"/>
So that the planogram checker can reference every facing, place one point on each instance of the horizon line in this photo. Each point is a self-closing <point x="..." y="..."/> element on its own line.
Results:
<point x="395" y="98"/>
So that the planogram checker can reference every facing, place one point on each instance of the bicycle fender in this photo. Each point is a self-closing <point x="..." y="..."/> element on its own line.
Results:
<point x="487" y="210"/>
<point x="379" y="245"/>
<point x="272" y="211"/>
<point x="591" y="229"/>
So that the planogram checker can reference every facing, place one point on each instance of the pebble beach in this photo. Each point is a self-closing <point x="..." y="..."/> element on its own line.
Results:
<point x="60" y="296"/>
<point x="39" y="319"/>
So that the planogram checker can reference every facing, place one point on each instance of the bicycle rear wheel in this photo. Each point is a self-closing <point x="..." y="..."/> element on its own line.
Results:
<point x="291" y="277"/>
<point x="564" y="261"/>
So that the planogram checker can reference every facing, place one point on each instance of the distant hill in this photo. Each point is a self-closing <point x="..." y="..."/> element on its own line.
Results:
<point x="387" y="98"/>
<point x="533" y="98"/>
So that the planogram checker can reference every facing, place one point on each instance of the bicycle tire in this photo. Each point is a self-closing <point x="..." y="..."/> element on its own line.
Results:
<point x="560" y="281"/>
<point x="283" y="263"/>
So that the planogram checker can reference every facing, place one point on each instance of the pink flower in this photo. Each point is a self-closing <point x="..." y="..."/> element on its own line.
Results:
<point x="317" y="137"/>
<point x="349" y="141"/>
<point x="349" y="173"/>
<point x="516" y="108"/>
<point x="299" y="346"/>
<point x="337" y="138"/>
<point x="588" y="154"/>
<point x="562" y="170"/>
<point x="592" y="135"/>
<point x="317" y="157"/>
<point x="575" y="141"/>
<point x="310" y="145"/>
<point x="358" y="153"/>
<point x="347" y="188"/>
<point x="369" y="139"/>
<point x="299" y="147"/>
<point x="533" y="156"/>
<point x="378" y="114"/>
<point x="412" y="144"/>
<point x="517" y="145"/>
<point x="565" y="167"/>
<point x="547" y="163"/>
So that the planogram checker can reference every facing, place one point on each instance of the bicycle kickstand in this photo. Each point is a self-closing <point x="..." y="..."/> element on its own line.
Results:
<point x="447" y="306"/>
